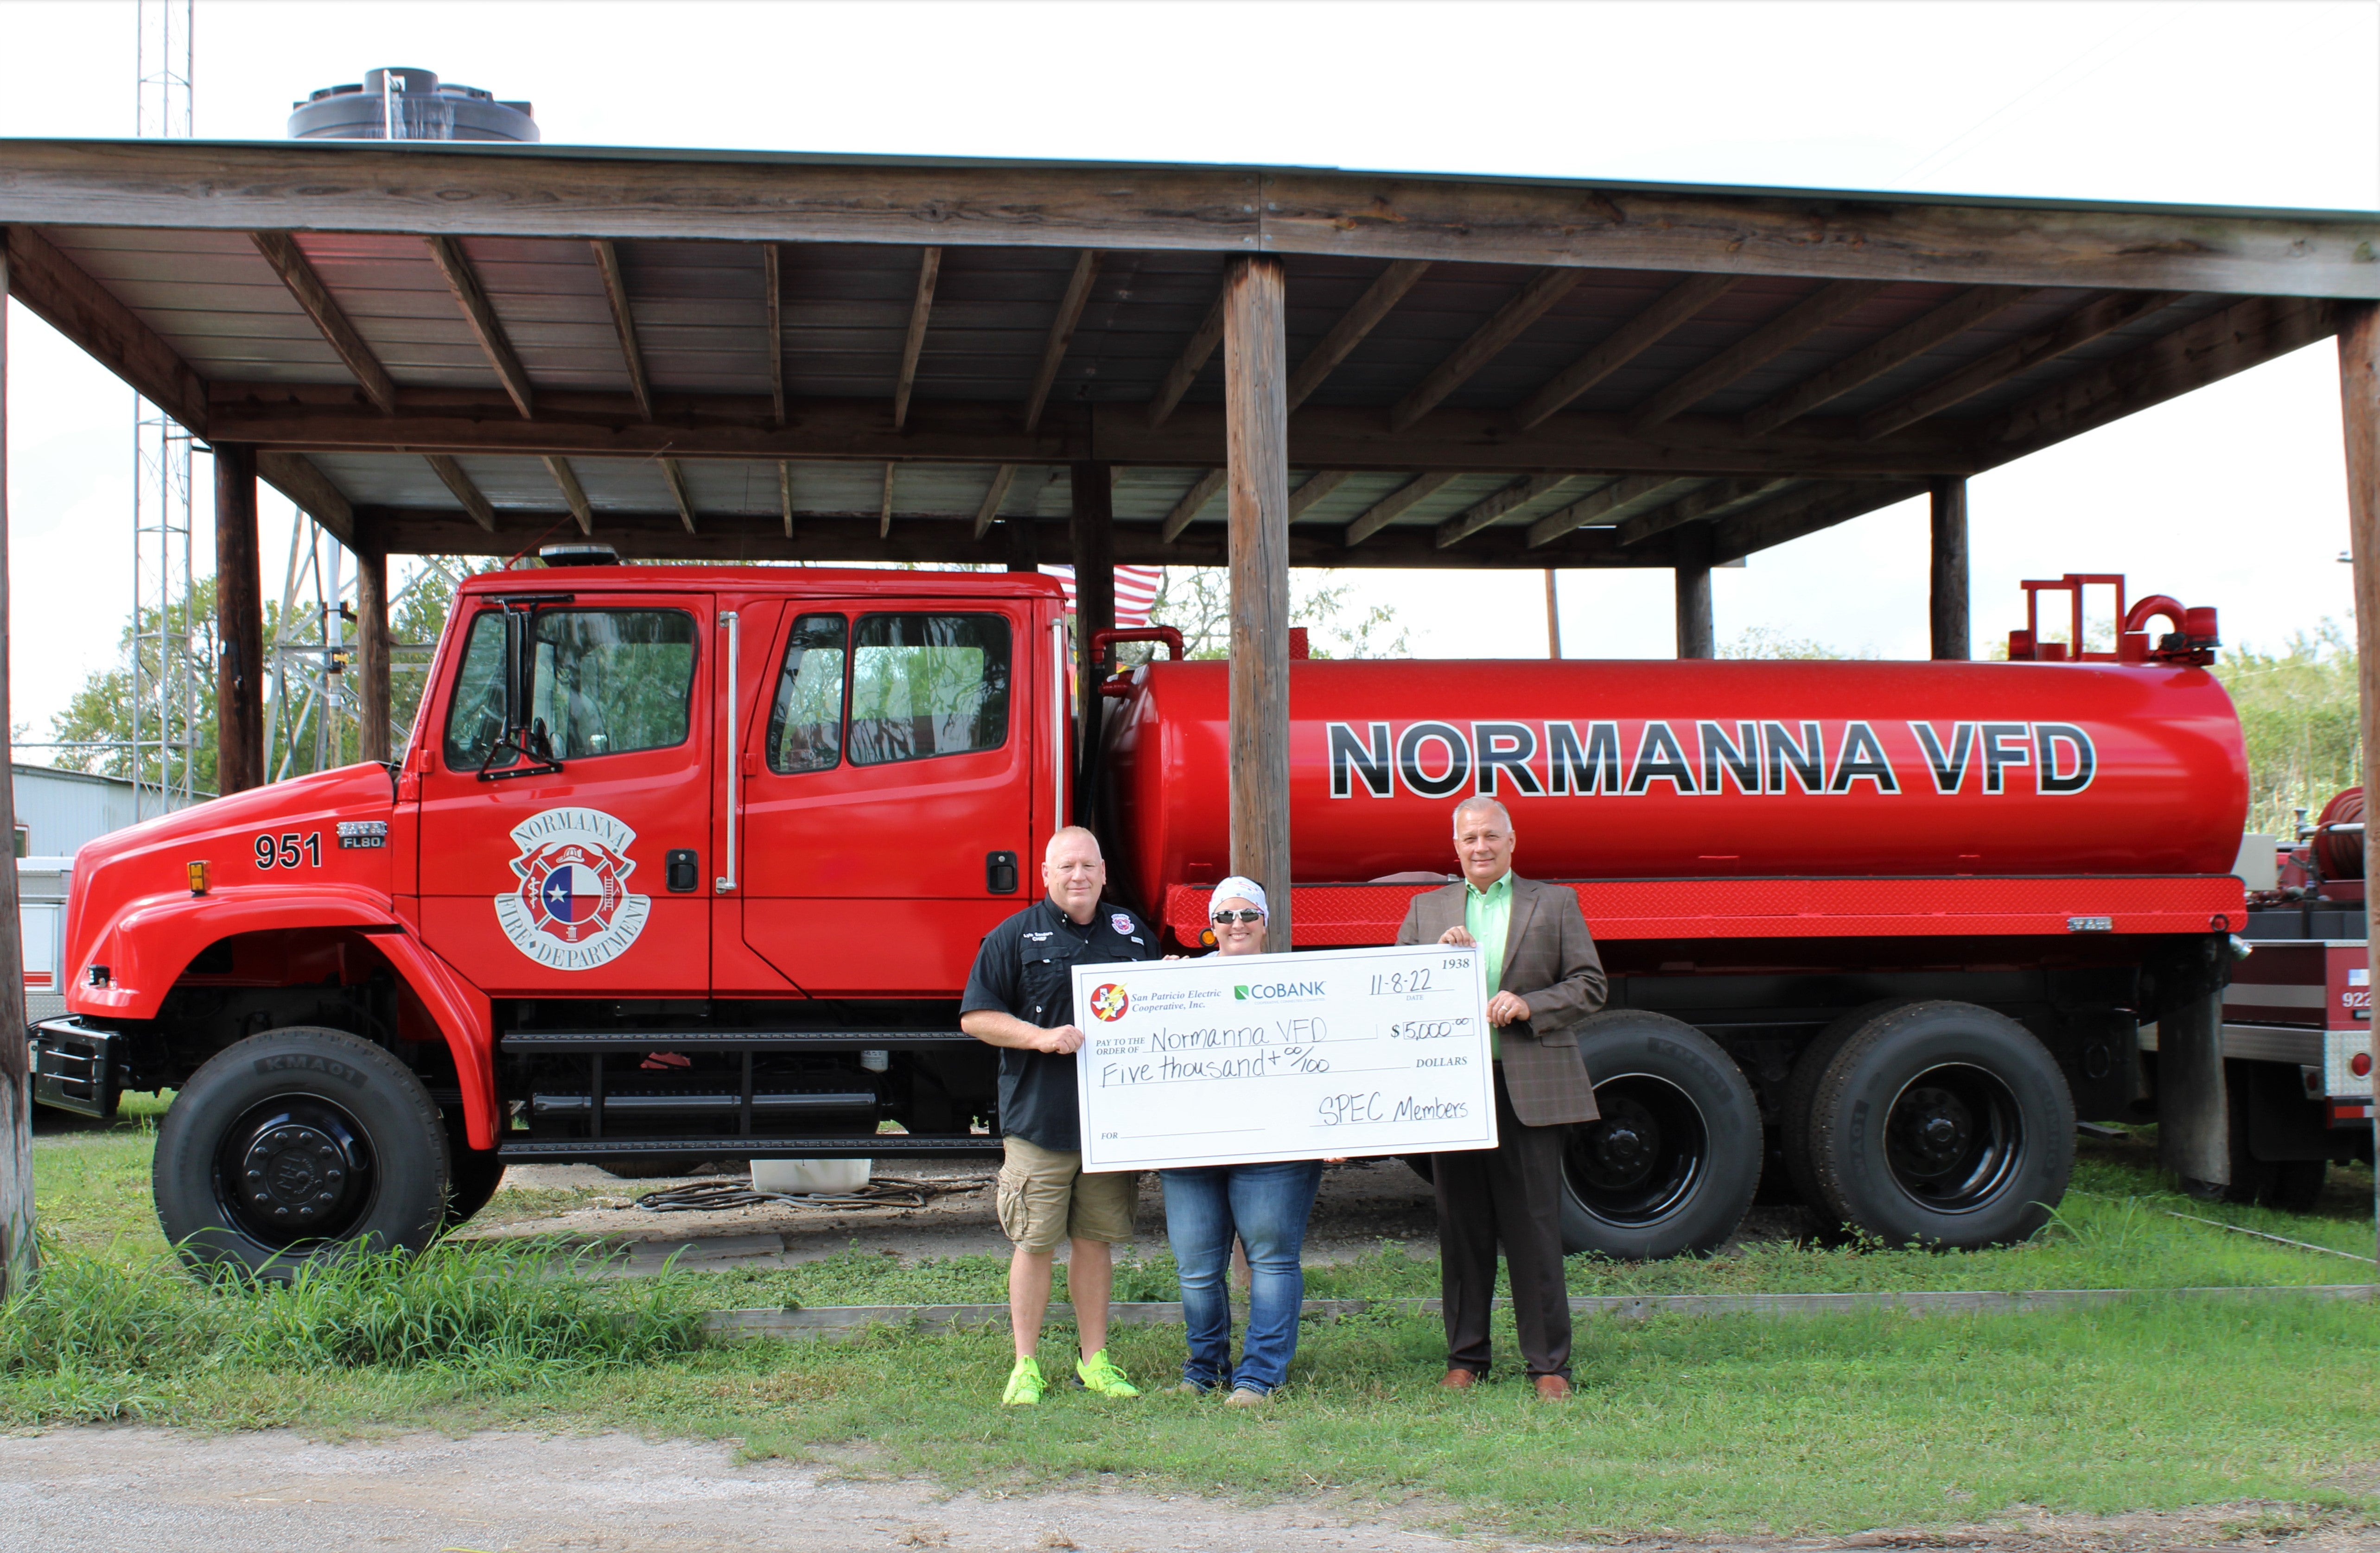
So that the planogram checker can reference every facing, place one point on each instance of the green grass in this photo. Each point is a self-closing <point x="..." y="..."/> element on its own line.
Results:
<point x="1722" y="1426"/>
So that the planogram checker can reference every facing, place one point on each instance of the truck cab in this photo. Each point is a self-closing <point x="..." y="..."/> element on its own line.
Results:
<point x="679" y="863"/>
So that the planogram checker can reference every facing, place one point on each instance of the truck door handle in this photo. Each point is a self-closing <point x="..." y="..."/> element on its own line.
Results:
<point x="1000" y="872"/>
<point x="685" y="870"/>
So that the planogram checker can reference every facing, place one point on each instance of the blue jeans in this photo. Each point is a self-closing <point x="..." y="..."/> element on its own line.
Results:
<point x="1265" y="1207"/>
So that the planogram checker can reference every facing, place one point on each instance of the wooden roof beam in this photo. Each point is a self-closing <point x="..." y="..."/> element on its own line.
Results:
<point x="1318" y="484"/>
<point x="772" y="285"/>
<point x="1195" y="352"/>
<point x="2078" y="328"/>
<point x="2249" y="333"/>
<point x="1379" y="300"/>
<point x="1712" y="501"/>
<point x="987" y="512"/>
<point x="1202" y="490"/>
<point x="572" y="493"/>
<point x="1804" y="512"/>
<point x="297" y="478"/>
<point x="1495" y="508"/>
<point x="1509" y="322"/>
<point x="1609" y="504"/>
<point x="921" y="306"/>
<point x="1823" y="306"/>
<point x="1076" y="296"/>
<point x="624" y="320"/>
<point x="674" y="477"/>
<point x="1395" y="504"/>
<point x="1905" y="345"/>
<point x="288" y="262"/>
<point x="463" y="281"/>
<point x="466" y="491"/>
<point x="884" y="508"/>
<point x="1648" y="328"/>
<point x="109" y="333"/>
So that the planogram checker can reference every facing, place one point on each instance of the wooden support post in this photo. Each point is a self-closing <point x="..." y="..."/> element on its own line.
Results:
<point x="1953" y="637"/>
<point x="1091" y="529"/>
<point x="1255" y="419"/>
<point x="2193" y="1111"/>
<point x="371" y="644"/>
<point x="17" y="1247"/>
<point x="2358" y="392"/>
<point x="1553" y="615"/>
<point x="1696" y="637"/>
<point x="239" y="623"/>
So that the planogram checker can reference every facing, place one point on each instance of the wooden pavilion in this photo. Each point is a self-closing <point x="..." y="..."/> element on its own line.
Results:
<point x="469" y="348"/>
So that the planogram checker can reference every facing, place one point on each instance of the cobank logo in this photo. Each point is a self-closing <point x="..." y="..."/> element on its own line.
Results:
<point x="1272" y="991"/>
<point x="1109" y="1001"/>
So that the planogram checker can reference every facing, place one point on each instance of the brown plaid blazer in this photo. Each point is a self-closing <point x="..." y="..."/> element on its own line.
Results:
<point x="1549" y="961"/>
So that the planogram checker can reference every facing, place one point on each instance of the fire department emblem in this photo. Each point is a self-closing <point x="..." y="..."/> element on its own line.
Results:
<point x="569" y="908"/>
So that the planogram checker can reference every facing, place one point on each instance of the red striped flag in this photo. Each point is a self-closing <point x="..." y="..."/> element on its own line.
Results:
<point x="1136" y="590"/>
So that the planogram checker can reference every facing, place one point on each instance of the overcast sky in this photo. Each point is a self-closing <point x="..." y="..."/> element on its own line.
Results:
<point x="2233" y="496"/>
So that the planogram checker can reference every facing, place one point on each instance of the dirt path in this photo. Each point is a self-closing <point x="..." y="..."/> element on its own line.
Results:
<point x="160" y="1491"/>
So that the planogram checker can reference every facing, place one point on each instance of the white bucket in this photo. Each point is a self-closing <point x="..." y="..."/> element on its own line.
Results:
<point x="810" y="1177"/>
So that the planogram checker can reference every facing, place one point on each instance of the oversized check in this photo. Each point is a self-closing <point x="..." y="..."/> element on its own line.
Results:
<point x="1242" y="1059"/>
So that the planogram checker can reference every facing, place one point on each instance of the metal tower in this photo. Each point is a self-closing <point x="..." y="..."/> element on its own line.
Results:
<point x="164" y="676"/>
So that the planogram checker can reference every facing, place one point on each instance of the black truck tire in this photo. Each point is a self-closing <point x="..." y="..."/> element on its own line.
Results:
<point x="1941" y="1123"/>
<point x="295" y="1146"/>
<point x="1801" y="1092"/>
<point x="1674" y="1160"/>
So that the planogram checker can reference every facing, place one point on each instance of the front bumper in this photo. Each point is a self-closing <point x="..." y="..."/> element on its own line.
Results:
<point x="76" y="1068"/>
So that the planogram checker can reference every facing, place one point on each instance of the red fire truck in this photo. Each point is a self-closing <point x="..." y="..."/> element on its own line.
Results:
<point x="690" y="862"/>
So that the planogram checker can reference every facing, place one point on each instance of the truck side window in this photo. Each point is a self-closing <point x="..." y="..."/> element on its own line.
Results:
<point x="610" y="682"/>
<point x="927" y="684"/>
<point x="475" y="718"/>
<point x="806" y="722"/>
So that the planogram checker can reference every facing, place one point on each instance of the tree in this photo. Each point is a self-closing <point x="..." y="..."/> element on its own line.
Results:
<point x="101" y="712"/>
<point x="1197" y="601"/>
<point x="2297" y="713"/>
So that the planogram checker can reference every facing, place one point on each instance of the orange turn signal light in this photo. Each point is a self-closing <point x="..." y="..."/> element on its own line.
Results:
<point x="199" y="879"/>
<point x="1206" y="938"/>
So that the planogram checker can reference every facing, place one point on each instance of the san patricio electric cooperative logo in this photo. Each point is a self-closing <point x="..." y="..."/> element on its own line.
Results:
<point x="1109" y="1001"/>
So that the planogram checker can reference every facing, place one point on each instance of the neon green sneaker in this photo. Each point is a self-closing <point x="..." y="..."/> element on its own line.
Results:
<point x="1101" y="1376"/>
<point x="1024" y="1385"/>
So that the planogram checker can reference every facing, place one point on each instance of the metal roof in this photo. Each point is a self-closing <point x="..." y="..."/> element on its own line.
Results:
<point x="433" y="343"/>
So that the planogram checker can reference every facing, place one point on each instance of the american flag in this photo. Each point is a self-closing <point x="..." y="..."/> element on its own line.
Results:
<point x="1136" y="590"/>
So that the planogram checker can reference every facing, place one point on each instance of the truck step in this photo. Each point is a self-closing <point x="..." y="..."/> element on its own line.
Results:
<point x="875" y="1146"/>
<point x="615" y="1104"/>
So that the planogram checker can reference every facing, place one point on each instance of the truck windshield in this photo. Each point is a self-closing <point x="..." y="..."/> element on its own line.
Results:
<point x="600" y="682"/>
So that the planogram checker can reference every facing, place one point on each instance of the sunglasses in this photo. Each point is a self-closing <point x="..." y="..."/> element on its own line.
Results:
<point x="1223" y="918"/>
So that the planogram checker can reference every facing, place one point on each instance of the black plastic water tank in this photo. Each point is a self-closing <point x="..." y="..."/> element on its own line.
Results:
<point x="397" y="104"/>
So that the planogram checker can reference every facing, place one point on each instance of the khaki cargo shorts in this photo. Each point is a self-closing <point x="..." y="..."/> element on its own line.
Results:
<point x="1044" y="1197"/>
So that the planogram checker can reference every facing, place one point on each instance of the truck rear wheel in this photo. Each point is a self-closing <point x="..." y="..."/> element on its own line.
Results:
<point x="1944" y="1125"/>
<point x="294" y="1146"/>
<point x="1673" y="1161"/>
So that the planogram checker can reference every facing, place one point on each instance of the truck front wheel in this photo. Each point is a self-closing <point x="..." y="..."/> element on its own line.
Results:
<point x="291" y="1147"/>
<point x="1940" y="1123"/>
<point x="1673" y="1161"/>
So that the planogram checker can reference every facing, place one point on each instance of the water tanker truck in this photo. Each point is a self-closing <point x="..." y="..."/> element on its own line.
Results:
<point x="685" y="863"/>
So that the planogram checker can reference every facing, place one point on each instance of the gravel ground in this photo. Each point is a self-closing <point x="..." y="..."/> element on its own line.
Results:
<point x="125" y="1490"/>
<point x="1362" y="1203"/>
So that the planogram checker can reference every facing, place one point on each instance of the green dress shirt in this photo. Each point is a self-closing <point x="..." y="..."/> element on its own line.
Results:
<point x="1486" y="913"/>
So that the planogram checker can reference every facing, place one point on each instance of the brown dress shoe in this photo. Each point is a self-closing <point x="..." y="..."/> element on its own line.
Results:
<point x="1552" y="1388"/>
<point x="1459" y="1379"/>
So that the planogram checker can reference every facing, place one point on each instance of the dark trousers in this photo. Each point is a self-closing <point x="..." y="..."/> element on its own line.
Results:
<point x="1510" y="1195"/>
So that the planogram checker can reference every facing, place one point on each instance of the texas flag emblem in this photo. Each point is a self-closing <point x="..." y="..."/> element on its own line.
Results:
<point x="569" y="908"/>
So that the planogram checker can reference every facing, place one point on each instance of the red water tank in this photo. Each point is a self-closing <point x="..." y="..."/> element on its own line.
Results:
<point x="1651" y="769"/>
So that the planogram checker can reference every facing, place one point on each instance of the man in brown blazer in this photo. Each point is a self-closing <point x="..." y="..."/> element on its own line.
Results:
<point x="1547" y="979"/>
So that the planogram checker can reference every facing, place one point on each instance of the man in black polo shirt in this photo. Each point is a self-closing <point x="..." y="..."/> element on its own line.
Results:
<point x="1020" y="997"/>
